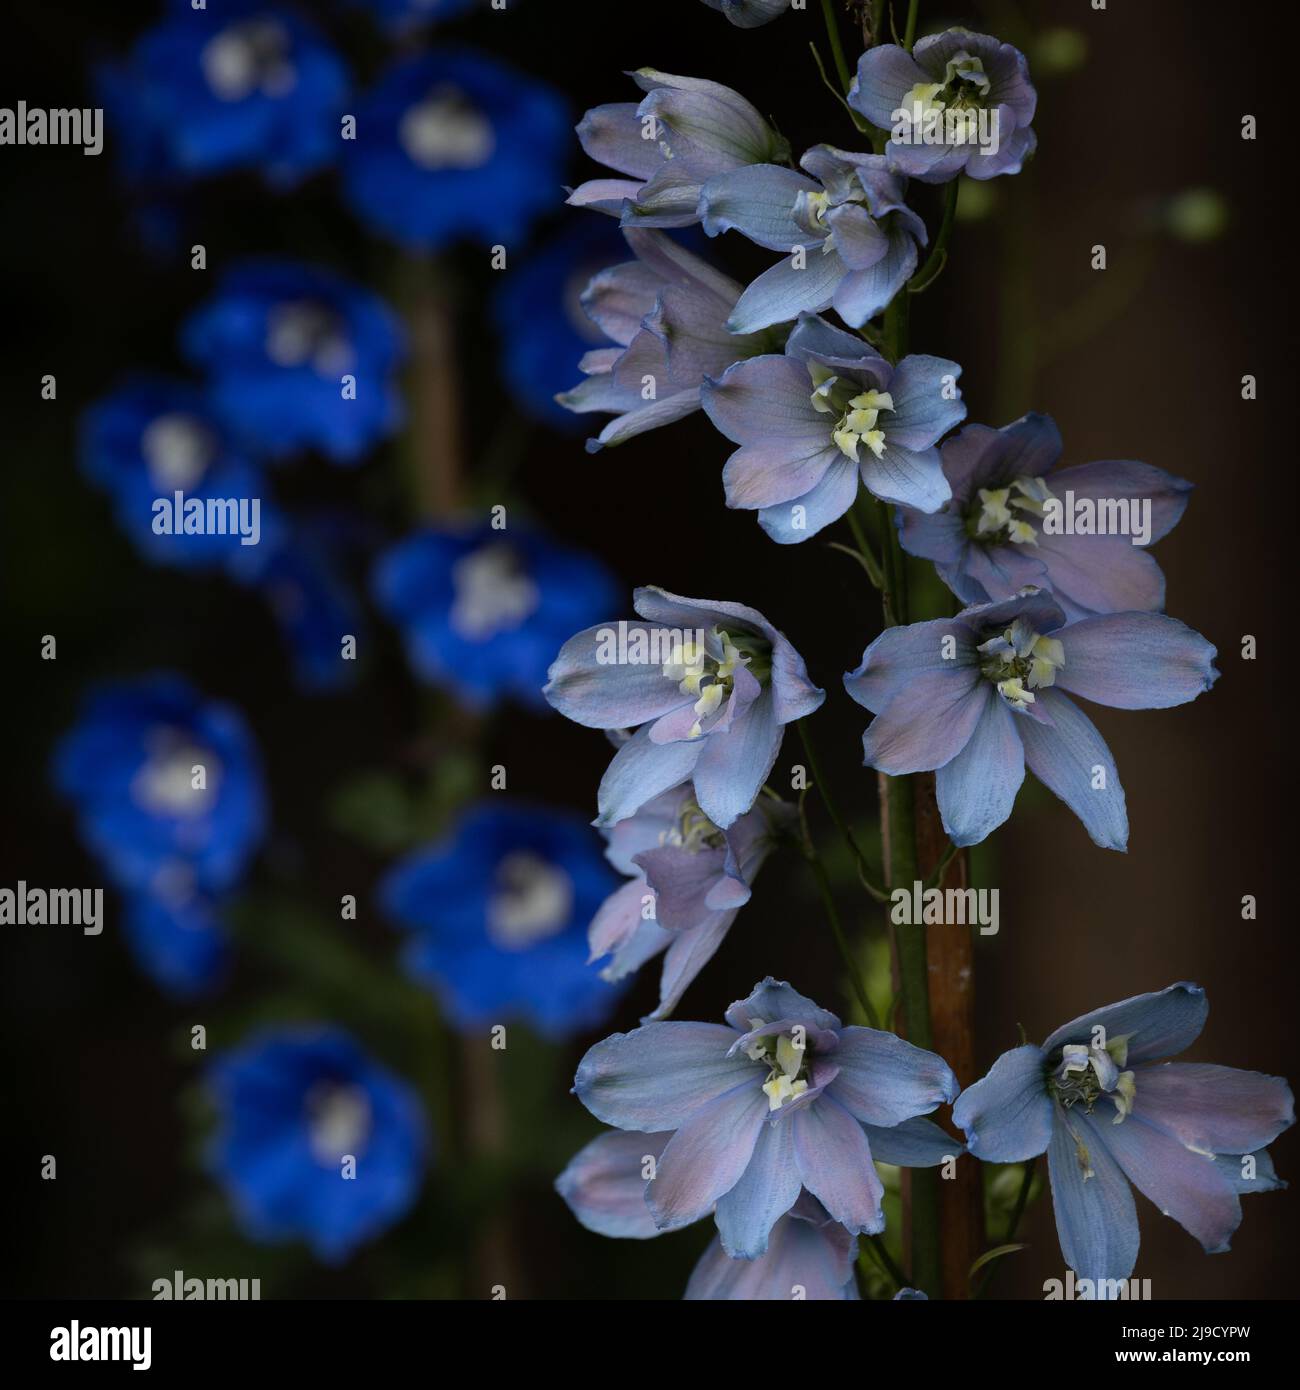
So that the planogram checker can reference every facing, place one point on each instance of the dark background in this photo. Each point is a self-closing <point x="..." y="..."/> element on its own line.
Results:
<point x="1143" y="361"/>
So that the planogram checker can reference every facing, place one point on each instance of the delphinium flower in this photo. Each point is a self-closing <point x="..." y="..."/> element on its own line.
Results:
<point x="497" y="913"/>
<point x="294" y="1105"/>
<point x="1108" y="1110"/>
<point x="749" y="14"/>
<point x="298" y="358"/>
<point x="823" y="415"/>
<point x="453" y="144"/>
<point x="483" y="610"/>
<point x="167" y="789"/>
<point x="1010" y="522"/>
<point x="851" y="240"/>
<point x="605" y="1185"/>
<point x="687" y="880"/>
<point x="541" y="318"/>
<point x="959" y="103"/>
<point x="979" y="697"/>
<point x="152" y="437"/>
<point x="711" y="686"/>
<point x="683" y="132"/>
<point x="666" y="313"/>
<point x="315" y="608"/>
<point x="238" y="84"/>
<point x="781" y="1099"/>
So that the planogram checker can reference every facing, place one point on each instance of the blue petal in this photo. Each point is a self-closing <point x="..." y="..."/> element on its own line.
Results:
<point x="769" y="1188"/>
<point x="1095" y="1216"/>
<point x="1136" y="661"/>
<point x="1007" y="1115"/>
<point x="977" y="789"/>
<point x="884" y="1080"/>
<point x="1157" y="1025"/>
<point x="604" y="1184"/>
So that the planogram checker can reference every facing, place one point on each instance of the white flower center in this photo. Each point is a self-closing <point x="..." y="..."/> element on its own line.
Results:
<point x="445" y="132"/>
<point x="857" y="415"/>
<point x="786" y="1055"/>
<point x="491" y="593"/>
<point x="177" y="449"/>
<point x="1000" y="517"/>
<point x="531" y="900"/>
<point x="167" y="783"/>
<point x="303" y="332"/>
<point x="248" y="58"/>
<point x="338" y="1120"/>
<point x="1019" y="661"/>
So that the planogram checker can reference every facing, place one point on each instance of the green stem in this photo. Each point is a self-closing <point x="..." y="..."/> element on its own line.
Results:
<point x="934" y="262"/>
<point x="1022" y="1201"/>
<point x="909" y="34"/>
<point x="837" y="930"/>
<point x="877" y="1247"/>
<point x="840" y="823"/>
<point x="837" y="47"/>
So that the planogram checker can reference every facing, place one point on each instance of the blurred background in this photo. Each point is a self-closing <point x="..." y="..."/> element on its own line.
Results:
<point x="1140" y="150"/>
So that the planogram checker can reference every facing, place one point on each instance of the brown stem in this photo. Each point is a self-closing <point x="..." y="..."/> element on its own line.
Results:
<point x="951" y="972"/>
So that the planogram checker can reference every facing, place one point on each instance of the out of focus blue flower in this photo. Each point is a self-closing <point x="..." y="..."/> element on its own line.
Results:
<point x="316" y="609"/>
<point x="483" y="611"/>
<point x="153" y="437"/>
<point x="240" y="84"/>
<point x="298" y="358"/>
<point x="294" y="1104"/>
<point x="455" y="144"/>
<point x="403" y="15"/>
<point x="168" y="792"/>
<point x="540" y="316"/>
<point x="498" y="913"/>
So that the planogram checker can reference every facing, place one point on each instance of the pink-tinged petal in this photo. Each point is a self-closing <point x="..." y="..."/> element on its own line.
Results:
<point x="650" y="416"/>
<point x="1001" y="571"/>
<point x="926" y="725"/>
<point x="834" y="1160"/>
<point x="769" y="1188"/>
<point x="604" y="195"/>
<point x="613" y="135"/>
<point x="681" y="879"/>
<point x="1185" y="1185"/>
<point x="608" y="694"/>
<point x="1008" y="1115"/>
<point x="903" y="656"/>
<point x="1070" y="758"/>
<point x="1112" y="479"/>
<point x="885" y="75"/>
<point x="907" y="476"/>
<point x="659" y="1075"/>
<point x="789" y="288"/>
<point x="884" y="1080"/>
<point x="1099" y="574"/>
<point x="977" y="789"/>
<point x="1157" y="1025"/>
<point x="604" y="1184"/>
<point x="1214" y="1110"/>
<point x="687" y="954"/>
<point x="1095" y="1216"/>
<point x="1136" y="661"/>
<point x="766" y="399"/>
<point x="803" y="1261"/>
<point x="640" y="771"/>
<point x="708" y="1155"/>
<point x="769" y="471"/>
<point x="789" y="523"/>
<point x="618" y="298"/>
<point x="617" y="919"/>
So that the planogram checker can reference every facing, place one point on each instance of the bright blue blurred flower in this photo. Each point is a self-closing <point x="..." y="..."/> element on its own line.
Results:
<point x="176" y="843"/>
<point x="1109" y="1110"/>
<point x="980" y="697"/>
<point x="781" y="1099"/>
<point x="498" y="912"/>
<point x="153" y="437"/>
<point x="454" y="144"/>
<point x="277" y="339"/>
<point x="315" y="607"/>
<point x="540" y="317"/>
<point x="483" y="611"/>
<point x="997" y="534"/>
<point x="404" y="15"/>
<point x="241" y="84"/>
<point x="292" y="1103"/>
<point x="708" y="685"/>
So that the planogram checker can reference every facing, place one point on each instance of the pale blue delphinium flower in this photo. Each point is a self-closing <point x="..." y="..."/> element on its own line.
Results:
<point x="709" y="687"/>
<point x="666" y="314"/>
<point x="979" y="697"/>
<point x="1101" y="1101"/>
<point x="959" y="103"/>
<point x="781" y="1099"/>
<point x="851" y="240"/>
<point x="827" y="413"/>
<point x="686" y="881"/>
<point x="749" y="14"/>
<point x="1006" y="524"/>
<point x="683" y="132"/>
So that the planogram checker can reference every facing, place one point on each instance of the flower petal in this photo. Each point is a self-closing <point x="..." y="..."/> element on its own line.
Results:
<point x="608" y="694"/>
<point x="918" y="1143"/>
<point x="733" y="766"/>
<point x="1157" y="1025"/>
<point x="1136" y="661"/>
<point x="1007" y="1115"/>
<point x="640" y="770"/>
<point x="1095" y="1216"/>
<point x="834" y="1160"/>
<point x="884" y="1080"/>
<point x="604" y="1184"/>
<point x="794" y="285"/>
<point x="1214" y="1110"/>
<point x="769" y="1188"/>
<point x="758" y="201"/>
<point x="977" y="789"/>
